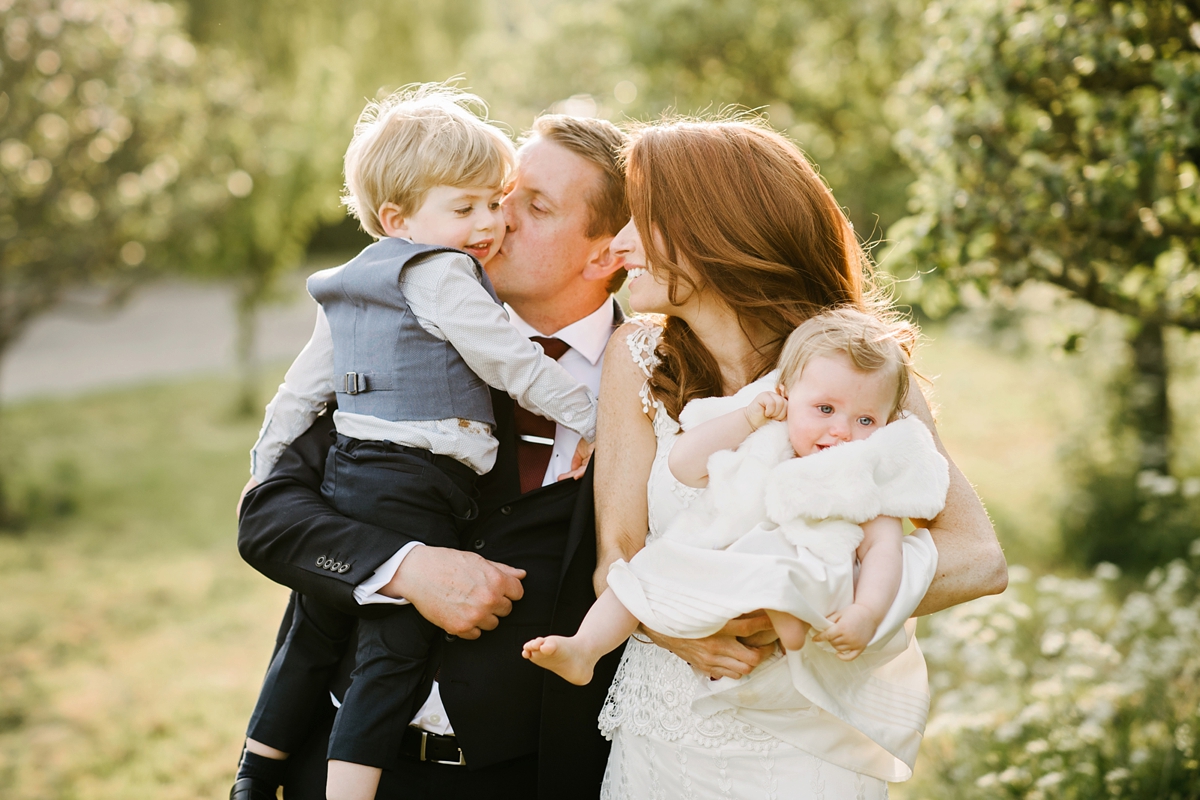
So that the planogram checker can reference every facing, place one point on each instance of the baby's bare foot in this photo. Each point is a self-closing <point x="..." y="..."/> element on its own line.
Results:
<point x="562" y="656"/>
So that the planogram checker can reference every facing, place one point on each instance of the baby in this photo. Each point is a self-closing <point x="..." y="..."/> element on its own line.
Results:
<point x="804" y="481"/>
<point x="410" y="336"/>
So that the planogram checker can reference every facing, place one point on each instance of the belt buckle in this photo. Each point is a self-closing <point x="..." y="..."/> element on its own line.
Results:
<point x="462" y="760"/>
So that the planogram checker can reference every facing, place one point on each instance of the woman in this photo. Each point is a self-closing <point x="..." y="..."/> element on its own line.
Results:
<point x="739" y="243"/>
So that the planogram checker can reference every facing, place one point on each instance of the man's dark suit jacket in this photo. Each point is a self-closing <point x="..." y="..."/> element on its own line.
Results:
<point x="501" y="705"/>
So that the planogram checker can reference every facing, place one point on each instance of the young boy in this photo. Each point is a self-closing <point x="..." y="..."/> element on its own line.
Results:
<point x="409" y="337"/>
<point x="803" y="481"/>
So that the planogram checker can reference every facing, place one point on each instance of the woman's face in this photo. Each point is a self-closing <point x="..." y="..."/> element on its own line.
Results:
<point x="648" y="291"/>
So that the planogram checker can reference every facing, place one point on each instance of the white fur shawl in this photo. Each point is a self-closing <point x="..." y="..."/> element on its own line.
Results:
<point x="897" y="471"/>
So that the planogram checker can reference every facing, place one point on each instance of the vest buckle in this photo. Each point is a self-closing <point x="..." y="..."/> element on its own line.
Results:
<point x="353" y="383"/>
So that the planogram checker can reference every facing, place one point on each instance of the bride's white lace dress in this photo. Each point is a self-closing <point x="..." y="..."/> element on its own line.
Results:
<point x="661" y="748"/>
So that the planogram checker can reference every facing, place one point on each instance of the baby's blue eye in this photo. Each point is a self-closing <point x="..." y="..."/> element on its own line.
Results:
<point x="825" y="409"/>
<point x="865" y="421"/>
<point x="494" y="206"/>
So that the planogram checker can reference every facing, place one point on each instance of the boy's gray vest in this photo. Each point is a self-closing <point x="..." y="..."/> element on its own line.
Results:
<point x="385" y="364"/>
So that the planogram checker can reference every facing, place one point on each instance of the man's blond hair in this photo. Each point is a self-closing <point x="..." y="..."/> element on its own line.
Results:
<point x="871" y="342"/>
<point x="419" y="137"/>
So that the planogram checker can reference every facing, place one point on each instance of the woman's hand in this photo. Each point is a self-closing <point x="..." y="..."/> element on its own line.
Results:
<point x="731" y="652"/>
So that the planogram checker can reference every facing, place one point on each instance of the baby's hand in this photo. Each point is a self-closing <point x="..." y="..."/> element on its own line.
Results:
<point x="767" y="406"/>
<point x="850" y="632"/>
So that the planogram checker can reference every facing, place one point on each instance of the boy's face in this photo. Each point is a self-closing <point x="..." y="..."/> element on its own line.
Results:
<point x="467" y="218"/>
<point x="832" y="402"/>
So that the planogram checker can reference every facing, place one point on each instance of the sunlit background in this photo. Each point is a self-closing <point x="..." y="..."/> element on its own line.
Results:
<point x="1024" y="172"/>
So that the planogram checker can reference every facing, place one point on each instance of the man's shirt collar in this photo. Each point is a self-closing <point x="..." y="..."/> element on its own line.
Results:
<point x="588" y="336"/>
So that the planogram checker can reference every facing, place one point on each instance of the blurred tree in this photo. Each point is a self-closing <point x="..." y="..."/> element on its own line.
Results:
<point x="823" y="71"/>
<point x="103" y="129"/>
<point x="316" y="64"/>
<point x="1059" y="142"/>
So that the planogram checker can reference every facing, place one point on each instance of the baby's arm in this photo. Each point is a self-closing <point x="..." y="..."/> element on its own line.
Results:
<point x="443" y="291"/>
<point x="881" y="558"/>
<point x="689" y="455"/>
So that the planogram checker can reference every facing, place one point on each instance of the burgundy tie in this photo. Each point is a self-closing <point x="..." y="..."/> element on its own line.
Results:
<point x="533" y="456"/>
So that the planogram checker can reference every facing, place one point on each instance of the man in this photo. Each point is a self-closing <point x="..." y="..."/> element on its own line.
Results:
<point x="529" y="556"/>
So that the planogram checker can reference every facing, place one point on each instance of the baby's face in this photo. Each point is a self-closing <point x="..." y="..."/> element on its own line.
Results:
<point x="467" y="218"/>
<point x="833" y="402"/>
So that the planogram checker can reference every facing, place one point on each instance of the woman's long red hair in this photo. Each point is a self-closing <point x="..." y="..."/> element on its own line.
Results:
<point x="741" y="214"/>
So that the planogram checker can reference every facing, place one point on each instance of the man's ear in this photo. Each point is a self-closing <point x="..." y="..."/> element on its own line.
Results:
<point x="393" y="221"/>
<point x="602" y="263"/>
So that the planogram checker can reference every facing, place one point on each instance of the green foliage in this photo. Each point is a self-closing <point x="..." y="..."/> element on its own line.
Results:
<point x="1058" y="689"/>
<point x="1056" y="141"/>
<point x="104" y="124"/>
<point x="315" y="64"/>
<point x="821" y="70"/>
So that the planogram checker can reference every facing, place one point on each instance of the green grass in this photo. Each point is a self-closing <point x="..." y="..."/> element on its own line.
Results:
<point x="133" y="638"/>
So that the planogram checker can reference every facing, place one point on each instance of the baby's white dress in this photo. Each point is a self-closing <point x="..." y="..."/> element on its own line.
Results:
<point x="664" y="748"/>
<point x="780" y="532"/>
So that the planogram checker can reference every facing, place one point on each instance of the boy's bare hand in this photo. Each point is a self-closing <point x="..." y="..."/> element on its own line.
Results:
<point x="579" y="461"/>
<point x="850" y="632"/>
<point x="767" y="406"/>
<point x="250" y="484"/>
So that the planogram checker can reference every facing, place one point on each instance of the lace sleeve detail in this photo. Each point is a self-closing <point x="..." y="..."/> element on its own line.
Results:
<point x="642" y="343"/>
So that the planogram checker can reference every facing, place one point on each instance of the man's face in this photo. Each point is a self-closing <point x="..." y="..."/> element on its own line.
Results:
<point x="546" y="248"/>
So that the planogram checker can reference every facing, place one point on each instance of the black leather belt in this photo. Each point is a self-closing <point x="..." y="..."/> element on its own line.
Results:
<point x="426" y="746"/>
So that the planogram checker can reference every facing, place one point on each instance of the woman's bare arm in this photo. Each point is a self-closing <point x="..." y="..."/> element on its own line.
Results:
<point x="970" y="561"/>
<point x="625" y="448"/>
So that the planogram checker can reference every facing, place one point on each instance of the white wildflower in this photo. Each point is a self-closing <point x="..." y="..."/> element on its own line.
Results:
<point x="987" y="781"/>
<point x="1049" y="779"/>
<point x="1053" y="643"/>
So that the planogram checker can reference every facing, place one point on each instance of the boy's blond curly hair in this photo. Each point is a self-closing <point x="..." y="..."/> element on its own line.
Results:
<point x="421" y="136"/>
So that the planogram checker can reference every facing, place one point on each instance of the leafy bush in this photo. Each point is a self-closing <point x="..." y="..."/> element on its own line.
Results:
<point x="1060" y="689"/>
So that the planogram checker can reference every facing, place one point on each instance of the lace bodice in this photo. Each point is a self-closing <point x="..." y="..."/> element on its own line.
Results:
<point x="653" y="689"/>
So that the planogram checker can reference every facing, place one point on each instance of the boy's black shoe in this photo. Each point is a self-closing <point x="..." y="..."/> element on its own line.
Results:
<point x="250" y="789"/>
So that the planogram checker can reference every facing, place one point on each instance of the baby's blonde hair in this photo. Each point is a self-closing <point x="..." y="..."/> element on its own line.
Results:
<point x="421" y="136"/>
<point x="870" y="341"/>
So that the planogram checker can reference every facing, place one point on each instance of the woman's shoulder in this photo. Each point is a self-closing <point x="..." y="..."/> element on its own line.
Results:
<point x="639" y="338"/>
<point x="630" y="358"/>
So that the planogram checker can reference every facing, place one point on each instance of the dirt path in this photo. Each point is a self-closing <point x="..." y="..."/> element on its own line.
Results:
<point x="167" y="330"/>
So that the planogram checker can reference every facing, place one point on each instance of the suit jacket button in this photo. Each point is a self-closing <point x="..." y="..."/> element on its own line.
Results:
<point x="506" y="510"/>
<point x="320" y="561"/>
<point x="450" y="637"/>
<point x="478" y="544"/>
<point x="343" y="568"/>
